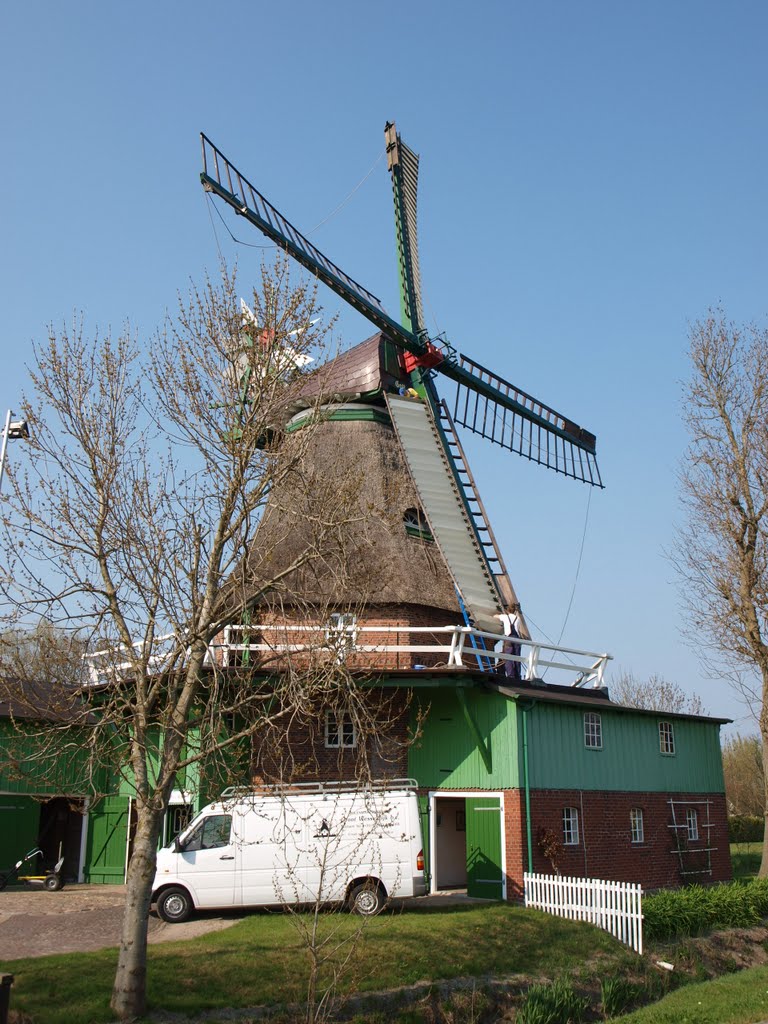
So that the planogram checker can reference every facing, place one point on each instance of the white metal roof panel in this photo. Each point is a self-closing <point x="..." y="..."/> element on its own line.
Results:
<point x="444" y="508"/>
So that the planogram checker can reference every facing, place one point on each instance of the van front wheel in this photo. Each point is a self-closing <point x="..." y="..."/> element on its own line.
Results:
<point x="367" y="899"/>
<point x="174" y="905"/>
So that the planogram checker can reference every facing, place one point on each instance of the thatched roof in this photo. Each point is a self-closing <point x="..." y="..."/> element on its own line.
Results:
<point x="343" y="509"/>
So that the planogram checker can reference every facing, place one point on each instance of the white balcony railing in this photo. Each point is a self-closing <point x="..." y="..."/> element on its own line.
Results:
<point x="449" y="646"/>
<point x="443" y="646"/>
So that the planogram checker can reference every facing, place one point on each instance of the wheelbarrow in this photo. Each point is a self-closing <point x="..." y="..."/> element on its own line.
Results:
<point x="51" y="880"/>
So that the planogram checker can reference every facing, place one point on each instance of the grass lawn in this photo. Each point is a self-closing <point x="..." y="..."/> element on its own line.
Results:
<point x="260" y="960"/>
<point x="745" y="858"/>
<point x="740" y="998"/>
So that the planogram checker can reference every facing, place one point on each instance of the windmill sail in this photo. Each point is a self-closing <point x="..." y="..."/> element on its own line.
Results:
<point x="223" y="179"/>
<point x="486" y="403"/>
<point x="404" y="167"/>
<point x="490" y="406"/>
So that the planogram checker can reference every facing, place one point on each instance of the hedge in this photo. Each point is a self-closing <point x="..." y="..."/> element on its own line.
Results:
<point x="745" y="828"/>
<point x="697" y="909"/>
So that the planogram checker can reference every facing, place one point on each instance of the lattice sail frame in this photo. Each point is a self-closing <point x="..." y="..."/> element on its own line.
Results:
<point x="495" y="409"/>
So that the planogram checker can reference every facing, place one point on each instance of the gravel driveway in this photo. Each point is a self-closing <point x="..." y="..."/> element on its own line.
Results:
<point x="79" y="918"/>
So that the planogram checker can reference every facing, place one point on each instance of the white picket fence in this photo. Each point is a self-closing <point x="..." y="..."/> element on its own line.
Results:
<point x="616" y="907"/>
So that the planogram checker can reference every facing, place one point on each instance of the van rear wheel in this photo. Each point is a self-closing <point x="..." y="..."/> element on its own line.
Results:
<point x="367" y="899"/>
<point x="174" y="905"/>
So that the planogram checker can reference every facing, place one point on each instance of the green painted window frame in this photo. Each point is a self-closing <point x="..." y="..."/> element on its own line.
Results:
<point x="416" y="526"/>
<point x="593" y="730"/>
<point x="570" y="826"/>
<point x="666" y="739"/>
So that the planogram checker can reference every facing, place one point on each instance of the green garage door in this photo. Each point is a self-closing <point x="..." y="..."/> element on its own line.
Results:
<point x="484" y="876"/>
<point x="19" y="825"/>
<point x="106" y="844"/>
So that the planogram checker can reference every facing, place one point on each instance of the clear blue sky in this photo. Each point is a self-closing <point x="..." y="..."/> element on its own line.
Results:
<point x="593" y="177"/>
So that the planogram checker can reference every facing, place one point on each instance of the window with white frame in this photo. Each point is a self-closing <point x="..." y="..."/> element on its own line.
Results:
<point x="636" y="825"/>
<point x="692" y="824"/>
<point x="340" y="730"/>
<point x="570" y="826"/>
<point x="593" y="730"/>
<point x="666" y="738"/>
<point x="341" y="632"/>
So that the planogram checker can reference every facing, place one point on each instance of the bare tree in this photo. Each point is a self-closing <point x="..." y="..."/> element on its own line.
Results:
<point x="353" y="827"/>
<point x="743" y="769"/>
<point x="134" y="528"/>
<point x="721" y="553"/>
<point x="654" y="694"/>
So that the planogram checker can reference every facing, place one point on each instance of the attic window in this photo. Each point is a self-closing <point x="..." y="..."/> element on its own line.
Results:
<point x="593" y="730"/>
<point x="666" y="738"/>
<point x="416" y="524"/>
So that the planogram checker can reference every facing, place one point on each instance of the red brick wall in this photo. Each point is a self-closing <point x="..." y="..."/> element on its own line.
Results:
<point x="515" y="841"/>
<point x="302" y="756"/>
<point x="605" y="849"/>
<point x="402" y="616"/>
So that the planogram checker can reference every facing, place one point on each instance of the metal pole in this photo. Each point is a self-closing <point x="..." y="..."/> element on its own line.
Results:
<point x="5" y="445"/>
<point x="525" y="708"/>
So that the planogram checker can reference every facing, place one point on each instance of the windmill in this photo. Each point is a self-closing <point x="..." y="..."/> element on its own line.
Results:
<point x="401" y="367"/>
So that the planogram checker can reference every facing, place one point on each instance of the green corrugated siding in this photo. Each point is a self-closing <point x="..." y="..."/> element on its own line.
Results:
<point x="187" y="778"/>
<point x="447" y="756"/>
<point x="30" y="765"/>
<point x="630" y="758"/>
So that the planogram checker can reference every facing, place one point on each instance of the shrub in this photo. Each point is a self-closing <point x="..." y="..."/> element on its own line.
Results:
<point x="697" y="909"/>
<point x="745" y="828"/>
<point x="552" y="1004"/>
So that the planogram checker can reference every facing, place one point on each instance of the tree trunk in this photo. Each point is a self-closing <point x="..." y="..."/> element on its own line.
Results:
<point x="763" y="872"/>
<point x="129" y="990"/>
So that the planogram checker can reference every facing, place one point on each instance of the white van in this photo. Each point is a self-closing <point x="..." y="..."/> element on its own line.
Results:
<point x="314" y="842"/>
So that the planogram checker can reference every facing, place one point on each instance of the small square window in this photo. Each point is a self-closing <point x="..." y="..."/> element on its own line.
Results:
<point x="666" y="738"/>
<point x="692" y="824"/>
<point x="593" y="731"/>
<point x="340" y="730"/>
<point x="570" y="826"/>
<point x="636" y="825"/>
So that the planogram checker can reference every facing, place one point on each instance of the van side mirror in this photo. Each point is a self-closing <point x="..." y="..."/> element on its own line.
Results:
<point x="177" y="845"/>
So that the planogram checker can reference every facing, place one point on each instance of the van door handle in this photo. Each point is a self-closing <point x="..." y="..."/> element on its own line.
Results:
<point x="227" y="856"/>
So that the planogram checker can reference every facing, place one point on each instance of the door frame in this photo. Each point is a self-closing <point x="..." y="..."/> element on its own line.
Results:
<point x="447" y="794"/>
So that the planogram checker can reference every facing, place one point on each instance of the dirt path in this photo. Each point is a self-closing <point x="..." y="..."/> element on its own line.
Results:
<point x="80" y="918"/>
